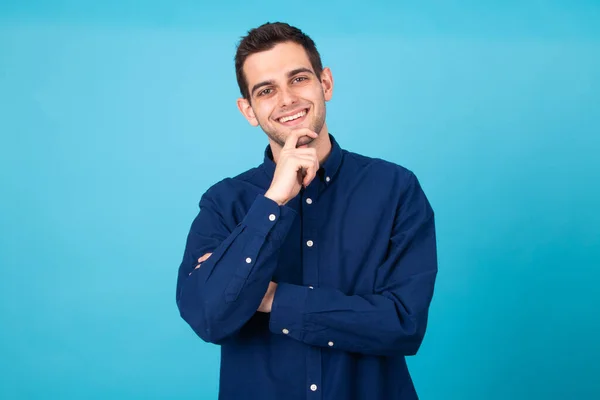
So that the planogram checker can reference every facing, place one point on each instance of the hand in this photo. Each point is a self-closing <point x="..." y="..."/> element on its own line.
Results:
<point x="267" y="301"/>
<point x="201" y="260"/>
<point x="296" y="167"/>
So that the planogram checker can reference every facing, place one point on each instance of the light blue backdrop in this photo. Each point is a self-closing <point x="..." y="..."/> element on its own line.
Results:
<point x="116" y="116"/>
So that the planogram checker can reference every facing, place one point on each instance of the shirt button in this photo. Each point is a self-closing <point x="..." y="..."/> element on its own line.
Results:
<point x="248" y="260"/>
<point x="330" y="344"/>
<point x="309" y="243"/>
<point x="313" y="387"/>
<point x="272" y="217"/>
<point x="309" y="201"/>
<point x="310" y="287"/>
<point x="327" y="179"/>
<point x="285" y="331"/>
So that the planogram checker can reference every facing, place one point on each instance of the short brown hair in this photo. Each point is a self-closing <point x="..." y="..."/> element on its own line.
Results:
<point x="265" y="37"/>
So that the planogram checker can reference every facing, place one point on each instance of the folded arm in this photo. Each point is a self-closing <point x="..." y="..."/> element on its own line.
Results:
<point x="217" y="299"/>
<point x="393" y="319"/>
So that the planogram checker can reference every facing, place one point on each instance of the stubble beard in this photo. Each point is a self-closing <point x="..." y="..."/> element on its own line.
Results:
<point x="279" y="136"/>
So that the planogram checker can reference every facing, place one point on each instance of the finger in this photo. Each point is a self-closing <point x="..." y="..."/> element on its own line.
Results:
<point x="308" y="156"/>
<point x="305" y="132"/>
<point x="291" y="141"/>
<point x="295" y="135"/>
<point x="311" y="152"/>
<point x="197" y="266"/>
<point x="304" y="158"/>
<point x="204" y="257"/>
<point x="201" y="260"/>
<point x="301" y="170"/>
<point x="310" y="168"/>
<point x="304" y="164"/>
<point x="309" y="177"/>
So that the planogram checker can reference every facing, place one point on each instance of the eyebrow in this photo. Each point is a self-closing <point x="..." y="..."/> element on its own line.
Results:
<point x="289" y="75"/>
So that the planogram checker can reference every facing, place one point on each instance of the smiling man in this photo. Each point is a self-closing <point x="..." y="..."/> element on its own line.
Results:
<point x="315" y="270"/>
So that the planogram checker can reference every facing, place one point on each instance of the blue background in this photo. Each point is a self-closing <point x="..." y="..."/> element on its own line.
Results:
<point x="116" y="116"/>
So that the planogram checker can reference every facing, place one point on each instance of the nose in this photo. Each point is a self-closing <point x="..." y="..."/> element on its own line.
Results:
<point x="287" y="97"/>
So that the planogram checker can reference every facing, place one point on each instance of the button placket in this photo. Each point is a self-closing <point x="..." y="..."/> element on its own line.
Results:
<point x="310" y="221"/>
<point x="310" y="266"/>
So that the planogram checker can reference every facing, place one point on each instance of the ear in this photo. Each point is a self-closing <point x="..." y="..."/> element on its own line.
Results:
<point x="327" y="83"/>
<point x="247" y="111"/>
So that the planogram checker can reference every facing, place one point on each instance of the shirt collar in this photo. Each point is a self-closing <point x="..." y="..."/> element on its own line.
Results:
<point x="328" y="169"/>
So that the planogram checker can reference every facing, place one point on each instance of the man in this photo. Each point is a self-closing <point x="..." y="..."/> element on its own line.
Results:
<point x="315" y="270"/>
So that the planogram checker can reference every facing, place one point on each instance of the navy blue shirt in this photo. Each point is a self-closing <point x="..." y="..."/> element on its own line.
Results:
<point x="354" y="257"/>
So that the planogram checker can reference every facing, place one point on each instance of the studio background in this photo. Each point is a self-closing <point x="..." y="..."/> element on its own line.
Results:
<point x="116" y="116"/>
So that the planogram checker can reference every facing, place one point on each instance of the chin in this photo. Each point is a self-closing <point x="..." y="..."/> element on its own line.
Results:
<point x="304" y="140"/>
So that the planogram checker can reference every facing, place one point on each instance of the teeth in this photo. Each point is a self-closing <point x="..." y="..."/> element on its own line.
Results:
<point x="293" y="117"/>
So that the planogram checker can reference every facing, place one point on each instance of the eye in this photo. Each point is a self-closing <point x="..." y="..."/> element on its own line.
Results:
<point x="299" y="79"/>
<point x="265" y="92"/>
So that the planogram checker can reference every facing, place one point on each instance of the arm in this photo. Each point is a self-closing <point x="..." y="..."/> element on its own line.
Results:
<point x="390" y="321"/>
<point x="219" y="298"/>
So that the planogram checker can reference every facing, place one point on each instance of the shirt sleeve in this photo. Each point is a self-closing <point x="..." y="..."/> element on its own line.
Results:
<point x="390" y="321"/>
<point x="218" y="298"/>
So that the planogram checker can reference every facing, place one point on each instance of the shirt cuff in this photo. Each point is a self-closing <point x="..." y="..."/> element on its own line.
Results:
<point x="265" y="213"/>
<point x="287" y="312"/>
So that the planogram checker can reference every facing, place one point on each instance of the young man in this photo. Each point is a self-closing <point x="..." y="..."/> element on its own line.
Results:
<point x="315" y="270"/>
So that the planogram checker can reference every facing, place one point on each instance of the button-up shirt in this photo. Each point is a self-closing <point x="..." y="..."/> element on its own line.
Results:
<point x="354" y="257"/>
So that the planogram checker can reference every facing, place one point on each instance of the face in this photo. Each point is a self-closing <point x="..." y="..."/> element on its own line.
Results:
<point x="285" y="93"/>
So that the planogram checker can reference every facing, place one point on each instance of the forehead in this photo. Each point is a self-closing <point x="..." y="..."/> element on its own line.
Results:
<point x="275" y="63"/>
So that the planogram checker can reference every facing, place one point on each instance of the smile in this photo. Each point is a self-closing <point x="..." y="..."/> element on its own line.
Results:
<point x="292" y="117"/>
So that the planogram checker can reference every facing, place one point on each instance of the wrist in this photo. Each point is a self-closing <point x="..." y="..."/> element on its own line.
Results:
<point x="275" y="198"/>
